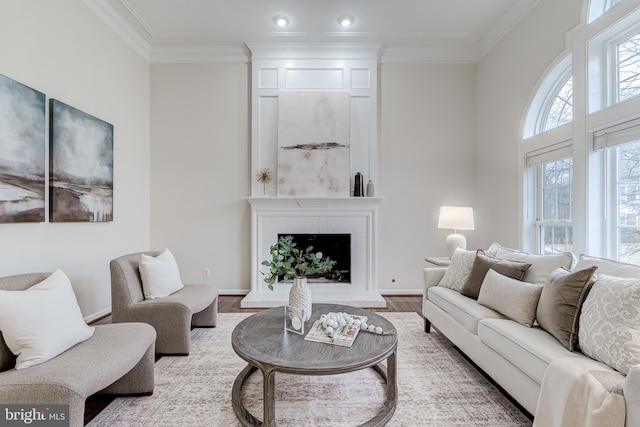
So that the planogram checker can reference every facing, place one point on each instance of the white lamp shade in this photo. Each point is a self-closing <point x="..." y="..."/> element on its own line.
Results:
<point x="456" y="218"/>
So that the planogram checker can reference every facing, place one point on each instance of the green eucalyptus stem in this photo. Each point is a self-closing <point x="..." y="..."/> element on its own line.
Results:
<point x="289" y="261"/>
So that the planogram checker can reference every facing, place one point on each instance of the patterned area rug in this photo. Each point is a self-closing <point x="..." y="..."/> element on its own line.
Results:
<point x="437" y="387"/>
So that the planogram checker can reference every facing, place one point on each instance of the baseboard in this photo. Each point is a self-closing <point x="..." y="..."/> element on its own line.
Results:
<point x="400" y="292"/>
<point x="97" y="315"/>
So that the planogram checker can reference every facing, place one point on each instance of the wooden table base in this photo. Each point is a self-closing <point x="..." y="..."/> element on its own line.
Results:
<point x="247" y="419"/>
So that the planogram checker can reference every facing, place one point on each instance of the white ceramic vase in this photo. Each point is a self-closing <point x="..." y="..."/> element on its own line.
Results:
<point x="300" y="298"/>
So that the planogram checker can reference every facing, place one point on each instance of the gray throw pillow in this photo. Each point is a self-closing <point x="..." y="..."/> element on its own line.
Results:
<point x="560" y="302"/>
<point x="482" y="263"/>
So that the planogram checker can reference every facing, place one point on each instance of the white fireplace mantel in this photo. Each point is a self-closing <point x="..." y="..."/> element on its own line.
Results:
<point x="357" y="216"/>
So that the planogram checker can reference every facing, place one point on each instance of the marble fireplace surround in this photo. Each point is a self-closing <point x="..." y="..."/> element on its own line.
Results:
<point x="357" y="216"/>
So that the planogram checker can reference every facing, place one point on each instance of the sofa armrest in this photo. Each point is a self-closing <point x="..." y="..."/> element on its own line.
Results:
<point x="632" y="396"/>
<point x="432" y="276"/>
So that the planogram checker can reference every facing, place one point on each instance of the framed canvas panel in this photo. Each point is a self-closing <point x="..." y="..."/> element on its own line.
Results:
<point x="313" y="144"/>
<point x="22" y="152"/>
<point x="80" y="166"/>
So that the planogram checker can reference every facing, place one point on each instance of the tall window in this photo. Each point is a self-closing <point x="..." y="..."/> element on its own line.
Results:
<point x="625" y="201"/>
<point x="554" y="216"/>
<point x="628" y="67"/>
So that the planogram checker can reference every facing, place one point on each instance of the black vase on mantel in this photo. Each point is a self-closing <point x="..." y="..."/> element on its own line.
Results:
<point x="358" y="188"/>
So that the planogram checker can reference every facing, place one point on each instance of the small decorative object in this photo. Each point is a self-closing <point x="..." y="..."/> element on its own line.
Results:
<point x="456" y="218"/>
<point x="300" y="299"/>
<point x="290" y="262"/>
<point x="374" y="329"/>
<point x="264" y="176"/>
<point x="371" y="192"/>
<point x="293" y="320"/>
<point x="358" y="188"/>
<point x="336" y="328"/>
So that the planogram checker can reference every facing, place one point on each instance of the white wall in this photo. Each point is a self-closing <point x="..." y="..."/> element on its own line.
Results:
<point x="200" y="170"/>
<point x="505" y="79"/>
<point x="427" y="160"/>
<point x="63" y="49"/>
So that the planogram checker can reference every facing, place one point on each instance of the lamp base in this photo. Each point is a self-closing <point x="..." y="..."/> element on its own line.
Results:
<point x="455" y="241"/>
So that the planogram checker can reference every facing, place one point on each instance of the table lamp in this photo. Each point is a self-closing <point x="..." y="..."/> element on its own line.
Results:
<point x="456" y="218"/>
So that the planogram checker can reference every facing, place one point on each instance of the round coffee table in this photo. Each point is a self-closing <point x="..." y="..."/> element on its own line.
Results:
<point x="262" y="341"/>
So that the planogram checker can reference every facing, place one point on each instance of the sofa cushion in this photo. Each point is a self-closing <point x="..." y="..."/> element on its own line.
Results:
<point x="42" y="321"/>
<point x="610" y="322"/>
<point x="465" y="311"/>
<point x="561" y="301"/>
<point x="541" y="265"/>
<point x="160" y="275"/>
<point x="482" y="263"/>
<point x="515" y="299"/>
<point x="529" y="349"/>
<point x="458" y="270"/>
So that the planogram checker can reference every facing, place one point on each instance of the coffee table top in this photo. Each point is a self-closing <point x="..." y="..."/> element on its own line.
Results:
<point x="261" y="340"/>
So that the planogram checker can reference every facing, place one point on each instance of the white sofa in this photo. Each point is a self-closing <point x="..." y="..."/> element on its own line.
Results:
<point x="517" y="356"/>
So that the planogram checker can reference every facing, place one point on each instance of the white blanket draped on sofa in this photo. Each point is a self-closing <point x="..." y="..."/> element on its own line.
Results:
<point x="573" y="396"/>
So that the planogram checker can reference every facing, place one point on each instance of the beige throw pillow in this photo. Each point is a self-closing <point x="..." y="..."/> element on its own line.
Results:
<point x="610" y="322"/>
<point x="482" y="263"/>
<point x="560" y="303"/>
<point x="515" y="299"/>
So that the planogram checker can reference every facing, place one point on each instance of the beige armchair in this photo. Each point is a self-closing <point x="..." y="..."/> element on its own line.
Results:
<point x="171" y="316"/>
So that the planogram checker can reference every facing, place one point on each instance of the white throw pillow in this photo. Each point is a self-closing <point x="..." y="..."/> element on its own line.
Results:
<point x="42" y="321"/>
<point x="515" y="299"/>
<point x="610" y="322"/>
<point x="459" y="269"/>
<point x="160" y="275"/>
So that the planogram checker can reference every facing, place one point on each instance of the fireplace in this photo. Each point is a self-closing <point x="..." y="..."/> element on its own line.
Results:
<point x="324" y="218"/>
<point x="335" y="246"/>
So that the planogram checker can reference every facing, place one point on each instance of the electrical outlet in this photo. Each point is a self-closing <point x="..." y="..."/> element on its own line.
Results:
<point x="206" y="273"/>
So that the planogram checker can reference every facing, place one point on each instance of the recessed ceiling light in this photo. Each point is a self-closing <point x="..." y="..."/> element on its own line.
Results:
<point x="281" y="20"/>
<point x="346" y="20"/>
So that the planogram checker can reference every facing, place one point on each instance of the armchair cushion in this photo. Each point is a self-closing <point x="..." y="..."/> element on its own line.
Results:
<point x="160" y="275"/>
<point x="42" y="321"/>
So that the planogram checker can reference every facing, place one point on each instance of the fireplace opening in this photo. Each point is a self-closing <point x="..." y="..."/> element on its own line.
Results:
<point x="335" y="246"/>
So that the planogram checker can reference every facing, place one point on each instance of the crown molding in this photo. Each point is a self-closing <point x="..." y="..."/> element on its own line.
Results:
<point x="303" y="50"/>
<point x="422" y="55"/>
<point x="117" y="23"/>
<point x="505" y="24"/>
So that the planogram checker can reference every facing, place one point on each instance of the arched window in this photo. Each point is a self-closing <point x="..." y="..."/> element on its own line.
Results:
<point x="552" y="105"/>
<point x="597" y="8"/>
<point x="560" y="106"/>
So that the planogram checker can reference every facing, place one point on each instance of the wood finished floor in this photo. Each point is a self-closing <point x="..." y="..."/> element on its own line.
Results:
<point x="231" y="304"/>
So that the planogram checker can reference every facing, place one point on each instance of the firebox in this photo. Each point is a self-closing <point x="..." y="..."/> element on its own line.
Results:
<point x="335" y="246"/>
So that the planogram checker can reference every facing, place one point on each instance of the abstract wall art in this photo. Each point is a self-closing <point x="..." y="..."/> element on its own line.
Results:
<point x="80" y="166"/>
<point x="313" y="144"/>
<point x="22" y="152"/>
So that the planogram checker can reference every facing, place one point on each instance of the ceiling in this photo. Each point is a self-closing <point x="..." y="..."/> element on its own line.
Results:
<point x="421" y="30"/>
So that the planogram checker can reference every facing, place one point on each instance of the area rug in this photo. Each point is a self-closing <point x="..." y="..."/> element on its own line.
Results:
<point x="436" y="387"/>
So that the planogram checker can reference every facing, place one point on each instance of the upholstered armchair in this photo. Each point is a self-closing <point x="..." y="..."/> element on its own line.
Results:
<point x="171" y="316"/>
